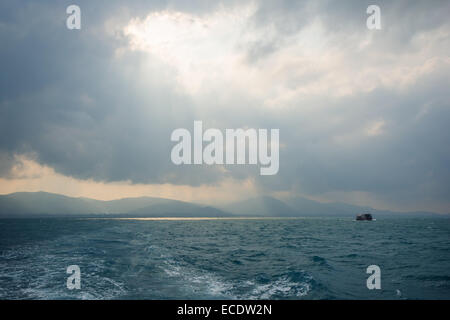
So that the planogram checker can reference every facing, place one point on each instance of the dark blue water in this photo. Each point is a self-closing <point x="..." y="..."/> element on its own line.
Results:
<point x="311" y="258"/>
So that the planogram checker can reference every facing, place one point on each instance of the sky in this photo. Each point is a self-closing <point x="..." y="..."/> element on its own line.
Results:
<point x="363" y="114"/>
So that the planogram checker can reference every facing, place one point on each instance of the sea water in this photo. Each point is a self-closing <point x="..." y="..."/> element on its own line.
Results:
<point x="304" y="258"/>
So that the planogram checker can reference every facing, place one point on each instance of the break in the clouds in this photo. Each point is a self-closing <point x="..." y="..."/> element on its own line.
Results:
<point x="363" y="114"/>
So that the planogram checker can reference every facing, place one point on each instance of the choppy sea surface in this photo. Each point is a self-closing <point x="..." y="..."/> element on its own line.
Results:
<point x="305" y="258"/>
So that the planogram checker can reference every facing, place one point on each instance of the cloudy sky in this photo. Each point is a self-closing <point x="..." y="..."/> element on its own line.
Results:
<point x="363" y="114"/>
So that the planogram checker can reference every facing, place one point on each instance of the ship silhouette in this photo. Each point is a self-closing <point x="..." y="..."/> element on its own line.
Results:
<point x="364" y="216"/>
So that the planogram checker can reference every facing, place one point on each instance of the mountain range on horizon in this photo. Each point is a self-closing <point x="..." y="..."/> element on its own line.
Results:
<point x="33" y="204"/>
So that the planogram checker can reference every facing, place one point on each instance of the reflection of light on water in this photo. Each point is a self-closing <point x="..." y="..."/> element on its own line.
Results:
<point x="200" y="218"/>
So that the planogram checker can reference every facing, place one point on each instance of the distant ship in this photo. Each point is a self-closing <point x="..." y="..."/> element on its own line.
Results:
<point x="364" y="216"/>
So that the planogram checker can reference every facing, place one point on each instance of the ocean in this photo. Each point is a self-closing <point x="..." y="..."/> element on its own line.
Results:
<point x="304" y="258"/>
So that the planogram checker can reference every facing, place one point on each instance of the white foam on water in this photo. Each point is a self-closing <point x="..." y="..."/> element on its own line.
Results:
<point x="39" y="272"/>
<point x="210" y="284"/>
<point x="200" y="282"/>
<point x="282" y="287"/>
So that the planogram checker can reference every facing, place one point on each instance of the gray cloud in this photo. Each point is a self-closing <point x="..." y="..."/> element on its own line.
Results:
<point x="67" y="98"/>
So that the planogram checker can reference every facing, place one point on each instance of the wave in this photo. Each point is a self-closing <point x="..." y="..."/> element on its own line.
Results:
<point x="210" y="285"/>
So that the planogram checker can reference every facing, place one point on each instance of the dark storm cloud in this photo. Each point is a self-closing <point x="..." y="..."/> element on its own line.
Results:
<point x="6" y="163"/>
<point x="408" y="159"/>
<point x="67" y="98"/>
<point x="64" y="98"/>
